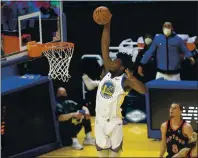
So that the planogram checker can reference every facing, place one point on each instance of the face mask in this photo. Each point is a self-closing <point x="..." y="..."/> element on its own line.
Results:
<point x="148" y="41"/>
<point x="167" y="32"/>
<point x="61" y="99"/>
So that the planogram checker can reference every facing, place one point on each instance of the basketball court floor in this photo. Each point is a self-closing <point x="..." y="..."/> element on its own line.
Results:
<point x="136" y="144"/>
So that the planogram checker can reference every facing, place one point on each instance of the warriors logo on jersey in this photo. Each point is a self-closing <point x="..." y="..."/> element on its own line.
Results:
<point x="107" y="89"/>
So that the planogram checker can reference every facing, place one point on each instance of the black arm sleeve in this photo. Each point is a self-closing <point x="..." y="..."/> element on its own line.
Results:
<point x="59" y="110"/>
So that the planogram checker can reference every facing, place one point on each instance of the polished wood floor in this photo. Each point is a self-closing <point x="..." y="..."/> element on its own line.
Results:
<point x="136" y="144"/>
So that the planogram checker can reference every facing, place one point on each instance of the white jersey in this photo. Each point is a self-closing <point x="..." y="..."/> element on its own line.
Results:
<point x="110" y="96"/>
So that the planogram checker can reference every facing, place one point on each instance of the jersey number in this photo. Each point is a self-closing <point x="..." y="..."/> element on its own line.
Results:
<point x="174" y="148"/>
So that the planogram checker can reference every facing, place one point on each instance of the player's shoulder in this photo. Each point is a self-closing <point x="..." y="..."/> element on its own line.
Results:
<point x="187" y="129"/>
<point x="164" y="124"/>
<point x="187" y="125"/>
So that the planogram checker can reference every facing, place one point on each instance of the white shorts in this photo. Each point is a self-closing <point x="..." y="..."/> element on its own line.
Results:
<point x="108" y="134"/>
<point x="174" y="77"/>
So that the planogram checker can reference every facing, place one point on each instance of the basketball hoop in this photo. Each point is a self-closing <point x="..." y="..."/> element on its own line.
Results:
<point x="59" y="55"/>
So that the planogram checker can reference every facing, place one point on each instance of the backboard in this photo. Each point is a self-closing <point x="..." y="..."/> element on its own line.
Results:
<point x="24" y="21"/>
<point x="30" y="18"/>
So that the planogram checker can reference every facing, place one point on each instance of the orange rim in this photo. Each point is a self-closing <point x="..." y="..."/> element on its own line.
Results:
<point x="58" y="45"/>
<point x="36" y="49"/>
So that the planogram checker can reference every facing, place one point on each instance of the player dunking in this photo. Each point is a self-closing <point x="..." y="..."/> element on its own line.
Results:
<point x="111" y="92"/>
<point x="175" y="132"/>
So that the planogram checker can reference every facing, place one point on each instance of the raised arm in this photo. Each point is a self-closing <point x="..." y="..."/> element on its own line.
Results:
<point x="163" y="141"/>
<point x="105" y="42"/>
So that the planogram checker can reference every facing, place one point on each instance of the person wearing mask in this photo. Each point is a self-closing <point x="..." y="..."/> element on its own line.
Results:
<point x="149" y="68"/>
<point x="168" y="47"/>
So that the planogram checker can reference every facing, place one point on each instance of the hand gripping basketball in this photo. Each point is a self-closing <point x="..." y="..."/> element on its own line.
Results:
<point x="102" y="15"/>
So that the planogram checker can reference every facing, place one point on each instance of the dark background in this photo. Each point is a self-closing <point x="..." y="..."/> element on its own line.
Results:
<point x="130" y="20"/>
<point x="28" y="120"/>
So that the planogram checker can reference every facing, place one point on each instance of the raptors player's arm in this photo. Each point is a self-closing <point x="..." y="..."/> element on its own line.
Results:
<point x="189" y="151"/>
<point x="105" y="42"/>
<point x="187" y="130"/>
<point x="163" y="141"/>
<point x="131" y="82"/>
<point x="182" y="153"/>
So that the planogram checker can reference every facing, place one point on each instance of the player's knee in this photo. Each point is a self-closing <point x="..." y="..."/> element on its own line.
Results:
<point x="98" y="148"/>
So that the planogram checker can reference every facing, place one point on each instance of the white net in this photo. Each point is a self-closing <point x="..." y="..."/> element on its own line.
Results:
<point x="59" y="56"/>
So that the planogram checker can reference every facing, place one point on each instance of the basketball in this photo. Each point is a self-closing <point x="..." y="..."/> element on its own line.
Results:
<point x="102" y="15"/>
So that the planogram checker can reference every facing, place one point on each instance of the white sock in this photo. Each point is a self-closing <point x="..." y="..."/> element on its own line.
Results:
<point x="114" y="154"/>
<point x="103" y="153"/>
<point x="75" y="140"/>
<point x="88" y="135"/>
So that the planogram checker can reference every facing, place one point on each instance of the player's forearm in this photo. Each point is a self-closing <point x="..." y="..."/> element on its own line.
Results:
<point x="65" y="117"/>
<point x="182" y="153"/>
<point x="179" y="155"/>
<point x="141" y="87"/>
<point x="162" y="153"/>
<point x="137" y="85"/>
<point x="105" y="42"/>
<point x="162" y="149"/>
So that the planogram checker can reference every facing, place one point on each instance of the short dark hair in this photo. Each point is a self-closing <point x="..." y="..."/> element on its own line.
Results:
<point x="168" y="23"/>
<point x="126" y="60"/>
<point x="180" y="105"/>
<point x="147" y="35"/>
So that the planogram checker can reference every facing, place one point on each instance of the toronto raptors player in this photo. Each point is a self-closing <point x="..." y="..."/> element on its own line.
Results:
<point x="175" y="132"/>
<point x="112" y="89"/>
